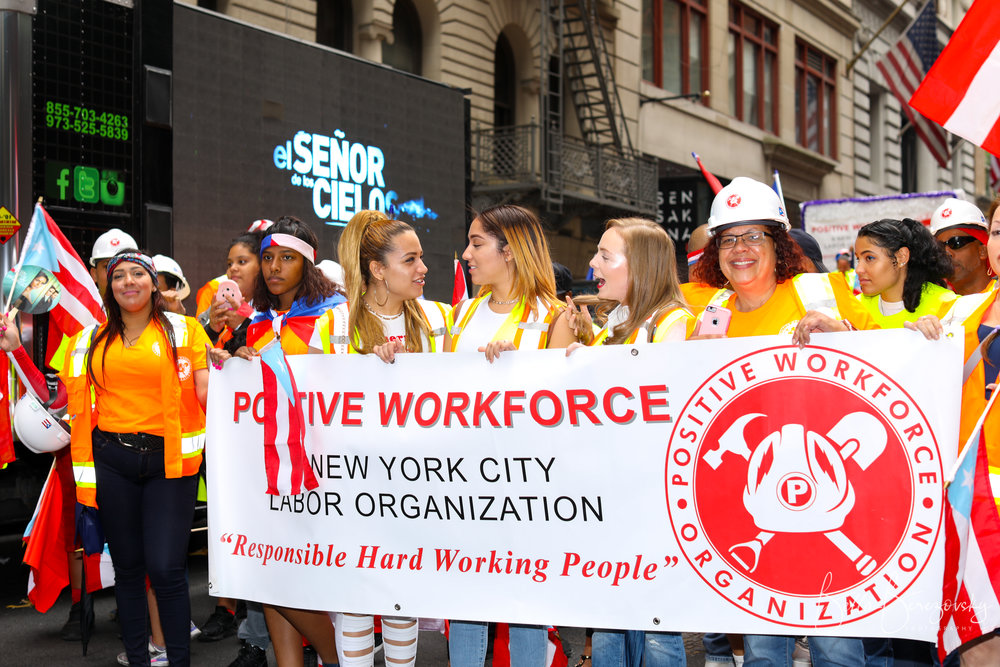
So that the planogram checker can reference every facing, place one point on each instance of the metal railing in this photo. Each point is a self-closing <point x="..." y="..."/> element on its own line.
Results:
<point x="507" y="158"/>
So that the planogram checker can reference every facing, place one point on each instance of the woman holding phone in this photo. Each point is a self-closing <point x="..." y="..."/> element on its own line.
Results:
<point x="289" y="294"/>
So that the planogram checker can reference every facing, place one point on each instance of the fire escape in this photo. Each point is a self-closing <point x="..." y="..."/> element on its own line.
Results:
<point x="600" y="167"/>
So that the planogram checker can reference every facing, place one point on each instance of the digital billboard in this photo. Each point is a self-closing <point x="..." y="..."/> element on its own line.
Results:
<point x="266" y="125"/>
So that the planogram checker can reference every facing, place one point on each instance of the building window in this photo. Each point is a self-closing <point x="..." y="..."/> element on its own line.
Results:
<point x="504" y="78"/>
<point x="674" y="44"/>
<point x="406" y="51"/>
<point x="335" y="24"/>
<point x="753" y="68"/>
<point x="908" y="159"/>
<point x="815" y="100"/>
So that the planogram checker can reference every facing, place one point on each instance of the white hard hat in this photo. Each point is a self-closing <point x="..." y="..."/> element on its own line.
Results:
<point x="957" y="213"/>
<point x="746" y="201"/>
<point x="260" y="225"/>
<point x="164" y="264"/>
<point x="37" y="429"/>
<point x="333" y="271"/>
<point x="109" y="243"/>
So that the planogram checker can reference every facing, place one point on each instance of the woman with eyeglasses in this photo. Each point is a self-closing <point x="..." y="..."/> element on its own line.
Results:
<point x="901" y="269"/>
<point x="754" y="269"/>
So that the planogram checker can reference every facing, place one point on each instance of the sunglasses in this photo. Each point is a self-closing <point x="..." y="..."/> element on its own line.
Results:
<point x="956" y="242"/>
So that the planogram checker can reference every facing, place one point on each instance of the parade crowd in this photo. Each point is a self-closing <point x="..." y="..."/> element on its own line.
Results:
<point x="134" y="388"/>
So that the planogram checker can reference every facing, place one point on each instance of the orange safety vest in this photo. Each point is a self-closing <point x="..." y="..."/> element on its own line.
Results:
<point x="652" y="332"/>
<point x="184" y="419"/>
<point x="973" y="389"/>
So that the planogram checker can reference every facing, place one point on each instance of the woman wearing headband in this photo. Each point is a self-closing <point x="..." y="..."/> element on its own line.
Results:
<point x="384" y="314"/>
<point x="138" y="446"/>
<point x="290" y="294"/>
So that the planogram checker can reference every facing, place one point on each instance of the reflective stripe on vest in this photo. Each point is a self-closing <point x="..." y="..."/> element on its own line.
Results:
<point x="960" y="311"/>
<point x="814" y="290"/>
<point x="84" y="474"/>
<point x="995" y="481"/>
<point x="515" y="326"/>
<point x="192" y="444"/>
<point x="648" y="327"/>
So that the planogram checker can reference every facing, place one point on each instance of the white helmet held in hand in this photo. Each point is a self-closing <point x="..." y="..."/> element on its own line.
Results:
<point x="37" y="429"/>
<point x="957" y="213"/>
<point x="164" y="264"/>
<point x="744" y="202"/>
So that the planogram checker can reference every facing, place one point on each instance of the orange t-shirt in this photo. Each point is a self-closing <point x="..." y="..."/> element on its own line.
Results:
<point x="129" y="399"/>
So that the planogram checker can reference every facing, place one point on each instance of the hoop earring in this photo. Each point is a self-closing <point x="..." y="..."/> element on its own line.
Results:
<point x="386" y="299"/>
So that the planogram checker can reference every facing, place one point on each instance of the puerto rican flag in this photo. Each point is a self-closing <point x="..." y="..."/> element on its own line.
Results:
<point x="46" y="551"/>
<point x="904" y="65"/>
<point x="970" y="606"/>
<point x="960" y="91"/>
<point x="45" y="246"/>
<point x="460" y="290"/>
<point x="286" y="462"/>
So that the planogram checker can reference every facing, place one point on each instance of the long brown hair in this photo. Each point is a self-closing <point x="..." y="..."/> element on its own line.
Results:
<point x="370" y="237"/>
<point x="653" y="287"/>
<point x="519" y="228"/>
<point x="114" y="328"/>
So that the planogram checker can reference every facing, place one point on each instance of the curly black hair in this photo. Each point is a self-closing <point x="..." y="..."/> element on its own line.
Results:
<point x="789" y="260"/>
<point x="928" y="263"/>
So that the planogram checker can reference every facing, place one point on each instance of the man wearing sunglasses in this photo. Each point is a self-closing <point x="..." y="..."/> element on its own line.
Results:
<point x="961" y="229"/>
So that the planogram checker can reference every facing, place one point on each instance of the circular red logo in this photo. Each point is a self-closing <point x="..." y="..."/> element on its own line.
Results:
<point x="114" y="242"/>
<point x="733" y="201"/>
<point x="946" y="213"/>
<point x="787" y="452"/>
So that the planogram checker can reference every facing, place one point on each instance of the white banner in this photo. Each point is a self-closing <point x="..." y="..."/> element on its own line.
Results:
<point x="739" y="485"/>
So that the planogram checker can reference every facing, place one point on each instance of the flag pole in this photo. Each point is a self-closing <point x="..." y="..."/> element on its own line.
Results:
<point x="885" y="25"/>
<point x="17" y="272"/>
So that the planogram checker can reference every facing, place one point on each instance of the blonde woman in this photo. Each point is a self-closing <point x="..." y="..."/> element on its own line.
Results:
<point x="508" y="257"/>
<point x="636" y="276"/>
<point x="384" y="315"/>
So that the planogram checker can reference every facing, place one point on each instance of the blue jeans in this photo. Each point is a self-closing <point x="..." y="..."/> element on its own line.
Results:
<point x="467" y="644"/>
<point x="147" y="521"/>
<point x="774" y="651"/>
<point x="253" y="629"/>
<point x="628" y="648"/>
<point x="717" y="649"/>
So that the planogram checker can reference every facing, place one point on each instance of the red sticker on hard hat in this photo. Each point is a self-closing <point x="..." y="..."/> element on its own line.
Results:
<point x="762" y="470"/>
<point x="946" y="213"/>
<point x="733" y="201"/>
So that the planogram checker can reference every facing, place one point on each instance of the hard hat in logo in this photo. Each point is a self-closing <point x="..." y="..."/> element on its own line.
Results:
<point x="37" y="429"/>
<point x="746" y="201"/>
<point x="957" y="213"/>
<point x="164" y="264"/>
<point x="260" y="225"/>
<point x="109" y="243"/>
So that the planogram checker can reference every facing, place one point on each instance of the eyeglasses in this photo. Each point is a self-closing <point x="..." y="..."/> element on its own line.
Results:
<point x="956" y="242"/>
<point x="750" y="238"/>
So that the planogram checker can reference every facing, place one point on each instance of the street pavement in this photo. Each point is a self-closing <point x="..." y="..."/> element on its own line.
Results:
<point x="30" y="638"/>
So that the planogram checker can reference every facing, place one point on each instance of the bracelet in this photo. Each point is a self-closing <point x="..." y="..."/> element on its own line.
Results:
<point x="847" y="323"/>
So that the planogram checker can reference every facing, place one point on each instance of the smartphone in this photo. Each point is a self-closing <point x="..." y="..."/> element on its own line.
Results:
<point x="715" y="320"/>
<point x="228" y="288"/>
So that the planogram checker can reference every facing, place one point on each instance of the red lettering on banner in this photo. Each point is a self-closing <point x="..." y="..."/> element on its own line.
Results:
<point x="241" y="403"/>
<point x="586" y="406"/>
<point x="326" y="413"/>
<point x="480" y="408"/>
<point x="648" y="403"/>
<point x="455" y="405"/>
<point x="510" y="408"/>
<point x="609" y="397"/>
<point x="351" y="405"/>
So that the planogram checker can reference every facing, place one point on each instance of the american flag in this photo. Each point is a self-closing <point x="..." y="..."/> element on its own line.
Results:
<point x="994" y="173"/>
<point x="960" y="92"/>
<point x="905" y="65"/>
<point x="971" y="601"/>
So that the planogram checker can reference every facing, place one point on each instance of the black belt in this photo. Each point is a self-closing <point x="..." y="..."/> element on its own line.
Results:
<point x="145" y="442"/>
